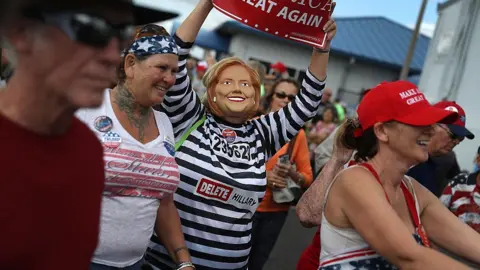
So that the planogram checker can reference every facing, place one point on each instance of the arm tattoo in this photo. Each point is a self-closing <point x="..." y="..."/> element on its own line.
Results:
<point x="180" y="249"/>
<point x="137" y="114"/>
<point x="310" y="206"/>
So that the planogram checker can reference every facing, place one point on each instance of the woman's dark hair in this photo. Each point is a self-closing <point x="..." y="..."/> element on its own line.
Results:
<point x="363" y="93"/>
<point x="147" y="30"/>
<point x="267" y="100"/>
<point x="334" y="112"/>
<point x="366" y="145"/>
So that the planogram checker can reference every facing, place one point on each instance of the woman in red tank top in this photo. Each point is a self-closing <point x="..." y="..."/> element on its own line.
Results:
<point x="390" y="135"/>
<point x="309" y="260"/>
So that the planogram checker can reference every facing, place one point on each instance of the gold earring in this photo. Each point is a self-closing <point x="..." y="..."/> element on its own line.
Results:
<point x="214" y="99"/>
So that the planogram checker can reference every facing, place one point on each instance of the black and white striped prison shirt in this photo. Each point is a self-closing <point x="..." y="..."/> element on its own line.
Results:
<point x="222" y="168"/>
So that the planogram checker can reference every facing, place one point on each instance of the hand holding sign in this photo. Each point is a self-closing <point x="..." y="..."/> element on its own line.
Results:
<point x="330" y="27"/>
<point x="298" y="20"/>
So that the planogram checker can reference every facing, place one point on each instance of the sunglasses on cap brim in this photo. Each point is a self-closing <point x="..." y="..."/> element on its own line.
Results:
<point x="452" y="135"/>
<point x="89" y="29"/>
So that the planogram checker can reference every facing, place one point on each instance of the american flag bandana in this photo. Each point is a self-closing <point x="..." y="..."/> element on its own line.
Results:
<point x="146" y="46"/>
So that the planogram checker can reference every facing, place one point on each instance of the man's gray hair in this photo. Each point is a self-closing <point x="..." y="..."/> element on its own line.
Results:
<point x="9" y="51"/>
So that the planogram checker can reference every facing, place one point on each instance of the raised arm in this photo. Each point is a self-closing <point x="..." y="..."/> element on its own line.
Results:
<point x="388" y="235"/>
<point x="189" y="29"/>
<point x="445" y="229"/>
<point x="309" y="207"/>
<point x="280" y="127"/>
<point x="319" y="59"/>
<point x="181" y="103"/>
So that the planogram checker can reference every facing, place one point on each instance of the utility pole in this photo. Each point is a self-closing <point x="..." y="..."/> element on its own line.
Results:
<point x="413" y="41"/>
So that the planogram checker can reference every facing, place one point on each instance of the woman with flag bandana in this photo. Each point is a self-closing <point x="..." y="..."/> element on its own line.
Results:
<point x="141" y="174"/>
<point x="222" y="154"/>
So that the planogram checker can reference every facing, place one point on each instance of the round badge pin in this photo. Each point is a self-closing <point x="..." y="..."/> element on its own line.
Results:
<point x="168" y="144"/>
<point x="103" y="123"/>
<point x="111" y="139"/>
<point x="229" y="135"/>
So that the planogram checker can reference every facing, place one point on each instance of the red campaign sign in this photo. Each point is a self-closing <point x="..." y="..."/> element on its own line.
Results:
<point x="298" y="20"/>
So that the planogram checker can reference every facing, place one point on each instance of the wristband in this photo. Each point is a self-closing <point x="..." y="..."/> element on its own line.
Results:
<point x="185" y="265"/>
<point x="300" y="181"/>
<point x="319" y="50"/>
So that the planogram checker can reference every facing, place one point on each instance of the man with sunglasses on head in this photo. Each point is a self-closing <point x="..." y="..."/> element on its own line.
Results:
<point x="442" y="164"/>
<point x="52" y="169"/>
<point x="7" y="9"/>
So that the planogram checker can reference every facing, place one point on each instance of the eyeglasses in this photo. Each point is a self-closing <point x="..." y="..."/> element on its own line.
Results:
<point x="282" y="95"/>
<point x="450" y="134"/>
<point x="88" y="29"/>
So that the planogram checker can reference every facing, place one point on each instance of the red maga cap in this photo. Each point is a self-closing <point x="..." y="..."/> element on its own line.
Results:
<point x="279" y="66"/>
<point x="458" y="127"/>
<point x="400" y="101"/>
<point x="202" y="66"/>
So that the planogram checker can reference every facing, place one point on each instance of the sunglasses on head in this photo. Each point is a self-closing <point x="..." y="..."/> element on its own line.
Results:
<point x="282" y="95"/>
<point x="89" y="29"/>
<point x="151" y="29"/>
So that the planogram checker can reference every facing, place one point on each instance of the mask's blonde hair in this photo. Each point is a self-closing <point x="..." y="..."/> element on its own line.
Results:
<point x="210" y="80"/>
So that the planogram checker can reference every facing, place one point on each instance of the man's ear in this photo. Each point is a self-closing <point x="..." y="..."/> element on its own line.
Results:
<point x="20" y="35"/>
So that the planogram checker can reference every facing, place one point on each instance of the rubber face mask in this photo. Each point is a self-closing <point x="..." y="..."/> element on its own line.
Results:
<point x="234" y="92"/>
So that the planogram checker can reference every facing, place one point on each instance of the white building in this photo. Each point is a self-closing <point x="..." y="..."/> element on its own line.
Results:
<point x="365" y="52"/>
<point x="451" y="67"/>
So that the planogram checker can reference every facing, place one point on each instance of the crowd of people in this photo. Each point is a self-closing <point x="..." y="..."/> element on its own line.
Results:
<point x="123" y="152"/>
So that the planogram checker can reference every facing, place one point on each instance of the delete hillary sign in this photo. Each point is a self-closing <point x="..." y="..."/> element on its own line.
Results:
<point x="298" y="20"/>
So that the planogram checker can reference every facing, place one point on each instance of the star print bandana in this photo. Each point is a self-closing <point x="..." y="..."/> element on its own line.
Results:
<point x="146" y="46"/>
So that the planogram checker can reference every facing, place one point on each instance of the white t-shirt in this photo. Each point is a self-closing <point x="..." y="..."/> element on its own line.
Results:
<point x="137" y="177"/>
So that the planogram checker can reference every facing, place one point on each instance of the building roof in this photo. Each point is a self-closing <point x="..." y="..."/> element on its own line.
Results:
<point x="374" y="39"/>
<point x="445" y="4"/>
<point x="209" y="39"/>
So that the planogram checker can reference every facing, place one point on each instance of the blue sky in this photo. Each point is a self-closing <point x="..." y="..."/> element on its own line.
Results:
<point x="402" y="11"/>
